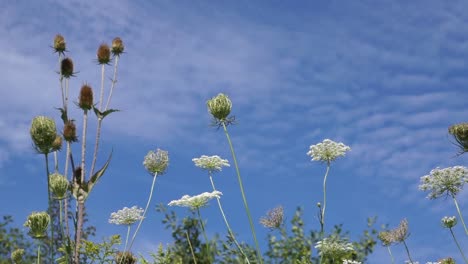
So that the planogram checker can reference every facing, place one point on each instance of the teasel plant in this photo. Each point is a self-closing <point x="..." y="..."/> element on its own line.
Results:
<point x="220" y="107"/>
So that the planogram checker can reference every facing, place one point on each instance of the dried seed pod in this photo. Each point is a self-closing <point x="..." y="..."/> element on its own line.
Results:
<point x="69" y="131"/>
<point x="66" y="68"/>
<point x="86" y="97"/>
<point x="103" y="54"/>
<point x="59" y="44"/>
<point x="117" y="46"/>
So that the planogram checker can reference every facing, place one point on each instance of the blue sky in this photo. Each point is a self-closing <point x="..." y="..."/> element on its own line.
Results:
<point x="386" y="78"/>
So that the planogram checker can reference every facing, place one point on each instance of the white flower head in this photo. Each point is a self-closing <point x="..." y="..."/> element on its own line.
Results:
<point x="334" y="247"/>
<point x="126" y="216"/>
<point x="347" y="261"/>
<point x="449" y="222"/>
<point x="156" y="161"/>
<point x="328" y="150"/>
<point x="197" y="201"/>
<point x="211" y="163"/>
<point x="447" y="181"/>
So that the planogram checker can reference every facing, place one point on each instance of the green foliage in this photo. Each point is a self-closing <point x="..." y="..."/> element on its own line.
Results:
<point x="12" y="238"/>
<point x="101" y="252"/>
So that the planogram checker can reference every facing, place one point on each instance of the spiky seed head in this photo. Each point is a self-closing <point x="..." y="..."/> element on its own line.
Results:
<point x="86" y="97"/>
<point x="57" y="144"/>
<point x="43" y="133"/>
<point x="66" y="68"/>
<point x="59" y="44"/>
<point x="59" y="186"/>
<point x="69" y="131"/>
<point x="37" y="223"/>
<point x="117" y="46"/>
<point x="103" y="54"/>
<point x="17" y="256"/>
<point x="220" y="107"/>
<point x="460" y="134"/>
<point x="125" y="258"/>
<point x="449" y="222"/>
<point x="156" y="161"/>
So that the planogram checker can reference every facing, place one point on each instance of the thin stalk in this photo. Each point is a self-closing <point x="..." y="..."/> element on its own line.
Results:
<point x="458" y="245"/>
<point x="191" y="248"/>
<point x="391" y="255"/>
<point x="67" y="199"/>
<point x="55" y="161"/>
<point x="144" y="213"/>
<point x="39" y="252"/>
<point x="239" y="179"/>
<point x="126" y="242"/>
<point x="67" y="85"/>
<point x="61" y="78"/>
<point x="407" y="251"/>
<point x="459" y="213"/>
<point x="204" y="234"/>
<point x="322" y="217"/>
<point x="227" y="224"/>
<point x="114" y="80"/>
<point x="51" y="243"/>
<point x="99" y="125"/>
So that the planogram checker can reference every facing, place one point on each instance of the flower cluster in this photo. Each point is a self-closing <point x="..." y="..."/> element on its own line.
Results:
<point x="449" y="222"/>
<point x="17" y="256"/>
<point x="156" y="162"/>
<point x="38" y="223"/>
<point x="274" y="218"/>
<point x="396" y="235"/>
<point x="334" y="247"/>
<point x="126" y="216"/>
<point x="197" y="201"/>
<point x="447" y="181"/>
<point x="59" y="185"/>
<point x="347" y="261"/>
<point x="43" y="134"/>
<point x="328" y="150"/>
<point x="211" y="163"/>
<point x="220" y="107"/>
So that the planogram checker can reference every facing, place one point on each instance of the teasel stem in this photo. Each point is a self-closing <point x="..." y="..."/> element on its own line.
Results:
<point x="191" y="248"/>
<point x="407" y="251"/>
<point x="322" y="217"/>
<point x="61" y="78"/>
<point x="113" y="82"/>
<point x="51" y="243"/>
<point x="226" y="222"/>
<point x="239" y="179"/>
<point x="458" y="245"/>
<point x="459" y="213"/>
<point x="67" y="199"/>
<point x="99" y="125"/>
<point x="144" y="212"/>
<point x="67" y="85"/>
<point x="202" y="225"/>
<point x="391" y="255"/>
<point x="55" y="161"/>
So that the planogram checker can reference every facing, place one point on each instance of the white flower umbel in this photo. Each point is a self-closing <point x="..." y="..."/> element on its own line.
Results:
<point x="449" y="182"/>
<point x="197" y="201"/>
<point x="450" y="222"/>
<point x="333" y="247"/>
<point x="328" y="150"/>
<point x="126" y="216"/>
<point x="347" y="261"/>
<point x="211" y="163"/>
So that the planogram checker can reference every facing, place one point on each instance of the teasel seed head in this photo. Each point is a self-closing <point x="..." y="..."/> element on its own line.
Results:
<point x="59" y="44"/>
<point x="38" y="223"/>
<point x="59" y="185"/>
<point x="125" y="258"/>
<point x="117" y="46"/>
<point x="66" y="68"/>
<point x="103" y="54"/>
<point x="69" y="131"/>
<point x="86" y="97"/>
<point x="460" y="133"/>
<point x="17" y="256"/>
<point x="57" y="144"/>
<point x="43" y="134"/>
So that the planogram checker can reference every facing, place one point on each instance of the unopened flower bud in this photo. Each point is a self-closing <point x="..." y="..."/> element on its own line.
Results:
<point x="117" y="46"/>
<point x="43" y="133"/>
<point x="66" y="68"/>
<point x="59" y="186"/>
<point x="86" y="97"/>
<point x="69" y="131"/>
<point x="38" y="223"/>
<point x="220" y="107"/>
<point x="449" y="222"/>
<point x="103" y="54"/>
<point x="460" y="133"/>
<point x="59" y="44"/>
<point x="156" y="162"/>
<point x="17" y="256"/>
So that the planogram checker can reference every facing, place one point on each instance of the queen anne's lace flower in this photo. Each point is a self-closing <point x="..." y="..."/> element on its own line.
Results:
<point x="197" y="201"/>
<point x="449" y="222"/>
<point x="347" y="261"/>
<point x="211" y="163"/>
<point x="328" y="150"/>
<point x="447" y="181"/>
<point x="333" y="247"/>
<point x="37" y="223"/>
<point x="126" y="216"/>
<point x="156" y="162"/>
<point x="274" y="218"/>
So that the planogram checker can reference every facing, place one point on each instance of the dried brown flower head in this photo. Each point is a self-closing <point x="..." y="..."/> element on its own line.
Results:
<point x="274" y="218"/>
<point x="66" y="68"/>
<point x="57" y="144"/>
<point x="69" y="131"/>
<point x="117" y="46"/>
<point x="86" y="97"/>
<point x="59" y="44"/>
<point x="103" y="54"/>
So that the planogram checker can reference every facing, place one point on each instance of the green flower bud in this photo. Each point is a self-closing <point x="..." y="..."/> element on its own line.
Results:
<point x="17" y="256"/>
<point x="86" y="97"/>
<point x="59" y="186"/>
<point x="117" y="46"/>
<point x="125" y="258"/>
<point x="446" y="261"/>
<point x="59" y="44"/>
<point x="449" y="222"/>
<point x="43" y="133"/>
<point x="103" y="54"/>
<point x="220" y="107"/>
<point x="460" y="133"/>
<point x="156" y="162"/>
<point x="38" y="223"/>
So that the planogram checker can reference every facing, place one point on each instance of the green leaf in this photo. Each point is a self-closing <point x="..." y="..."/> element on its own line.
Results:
<point x="90" y="184"/>
<point x="101" y="115"/>
<point x="63" y="115"/>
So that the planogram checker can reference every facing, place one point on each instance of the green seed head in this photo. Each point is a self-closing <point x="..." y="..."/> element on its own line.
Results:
<point x="117" y="46"/>
<point x="59" y="44"/>
<point x="103" y="54"/>
<point x="66" y="68"/>
<point x="460" y="134"/>
<point x="86" y="97"/>
<point x="43" y="133"/>
<point x="17" y="256"/>
<point x="125" y="258"/>
<point x="38" y="223"/>
<point x="59" y="186"/>
<point x="220" y="107"/>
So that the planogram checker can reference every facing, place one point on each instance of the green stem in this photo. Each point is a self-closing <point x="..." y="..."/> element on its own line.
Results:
<point x="322" y="217"/>
<point x="114" y="80"/>
<point x="191" y="248"/>
<point x="51" y="241"/>
<point x="226" y="222"/>
<point x="407" y="252"/>
<point x="391" y="255"/>
<point x="55" y="161"/>
<point x="239" y="179"/>
<point x="144" y="213"/>
<point x="126" y="242"/>
<point x="458" y="245"/>
<point x="67" y="226"/>
<point x="204" y="234"/>
<point x="39" y="252"/>
<point x="459" y="213"/>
